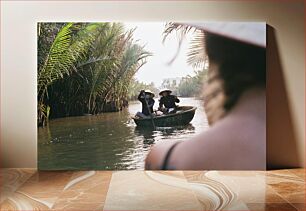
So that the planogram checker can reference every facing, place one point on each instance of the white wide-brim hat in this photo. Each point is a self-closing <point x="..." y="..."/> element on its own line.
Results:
<point x="248" y="32"/>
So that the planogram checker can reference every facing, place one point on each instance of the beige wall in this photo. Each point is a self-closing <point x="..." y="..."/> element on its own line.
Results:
<point x="18" y="56"/>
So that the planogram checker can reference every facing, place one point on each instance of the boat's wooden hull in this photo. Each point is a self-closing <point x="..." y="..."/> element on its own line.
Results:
<point x="183" y="116"/>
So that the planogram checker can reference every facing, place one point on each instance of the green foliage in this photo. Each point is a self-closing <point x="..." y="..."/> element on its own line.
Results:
<point x="135" y="87"/>
<point x="88" y="67"/>
<point x="192" y="86"/>
<point x="189" y="86"/>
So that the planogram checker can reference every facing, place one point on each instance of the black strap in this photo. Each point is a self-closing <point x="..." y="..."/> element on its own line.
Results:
<point x="167" y="157"/>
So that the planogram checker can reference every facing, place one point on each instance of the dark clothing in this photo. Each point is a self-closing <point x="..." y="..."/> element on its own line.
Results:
<point x="168" y="101"/>
<point x="150" y="101"/>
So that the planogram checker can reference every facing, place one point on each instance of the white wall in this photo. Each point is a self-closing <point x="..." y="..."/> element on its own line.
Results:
<point x="18" y="54"/>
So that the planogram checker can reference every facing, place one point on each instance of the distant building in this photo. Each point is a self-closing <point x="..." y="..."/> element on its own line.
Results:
<point x="171" y="83"/>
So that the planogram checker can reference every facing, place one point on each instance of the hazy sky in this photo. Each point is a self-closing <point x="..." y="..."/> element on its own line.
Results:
<point x="157" y="67"/>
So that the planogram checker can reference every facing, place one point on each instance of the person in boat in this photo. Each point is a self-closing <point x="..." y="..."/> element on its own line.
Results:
<point x="147" y="101"/>
<point x="167" y="101"/>
<point x="234" y="101"/>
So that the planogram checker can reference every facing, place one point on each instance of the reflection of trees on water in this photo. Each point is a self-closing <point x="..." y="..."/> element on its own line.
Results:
<point x="172" y="130"/>
<point x="150" y="136"/>
<point x="147" y="134"/>
<point x="92" y="142"/>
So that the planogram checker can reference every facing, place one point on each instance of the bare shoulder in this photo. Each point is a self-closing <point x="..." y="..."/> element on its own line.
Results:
<point x="230" y="145"/>
<point x="157" y="154"/>
<point x="235" y="142"/>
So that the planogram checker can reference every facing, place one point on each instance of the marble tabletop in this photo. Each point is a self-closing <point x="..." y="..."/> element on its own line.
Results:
<point x="29" y="189"/>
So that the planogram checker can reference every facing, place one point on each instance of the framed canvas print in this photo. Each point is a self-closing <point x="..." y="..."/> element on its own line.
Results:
<point x="151" y="95"/>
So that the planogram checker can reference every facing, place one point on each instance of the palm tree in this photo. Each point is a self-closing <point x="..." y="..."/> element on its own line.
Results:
<point x="87" y="66"/>
<point x="196" y="55"/>
<point x="67" y="48"/>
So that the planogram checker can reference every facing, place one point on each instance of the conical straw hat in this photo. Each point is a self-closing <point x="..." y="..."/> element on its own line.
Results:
<point x="248" y="32"/>
<point x="149" y="92"/>
<point x="164" y="90"/>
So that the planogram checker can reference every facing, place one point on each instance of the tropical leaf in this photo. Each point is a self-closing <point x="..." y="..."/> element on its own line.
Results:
<point x="88" y="65"/>
<point x="196" y="56"/>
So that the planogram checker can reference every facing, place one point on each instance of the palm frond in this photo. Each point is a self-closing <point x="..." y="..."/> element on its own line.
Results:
<point x="196" y="56"/>
<point x="57" y="62"/>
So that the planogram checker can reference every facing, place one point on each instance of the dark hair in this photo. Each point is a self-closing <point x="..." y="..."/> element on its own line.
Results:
<point x="241" y="65"/>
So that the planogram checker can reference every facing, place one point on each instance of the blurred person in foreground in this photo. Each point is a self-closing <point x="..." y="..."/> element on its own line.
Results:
<point x="234" y="101"/>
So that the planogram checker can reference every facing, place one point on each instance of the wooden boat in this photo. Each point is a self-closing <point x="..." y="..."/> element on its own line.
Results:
<point x="183" y="116"/>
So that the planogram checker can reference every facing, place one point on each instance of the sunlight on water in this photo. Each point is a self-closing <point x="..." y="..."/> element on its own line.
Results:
<point x="108" y="141"/>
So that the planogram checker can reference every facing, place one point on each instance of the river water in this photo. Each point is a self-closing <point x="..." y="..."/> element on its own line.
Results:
<point x="109" y="141"/>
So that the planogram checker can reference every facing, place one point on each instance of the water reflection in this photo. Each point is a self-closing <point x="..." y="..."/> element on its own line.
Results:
<point x="107" y="141"/>
<point x="150" y="136"/>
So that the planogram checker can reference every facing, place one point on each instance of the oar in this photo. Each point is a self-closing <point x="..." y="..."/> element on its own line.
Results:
<point x="149" y="110"/>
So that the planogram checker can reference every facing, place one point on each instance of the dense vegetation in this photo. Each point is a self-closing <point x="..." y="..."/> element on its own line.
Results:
<point x="188" y="86"/>
<point x="191" y="86"/>
<point x="84" y="68"/>
<point x="136" y="86"/>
